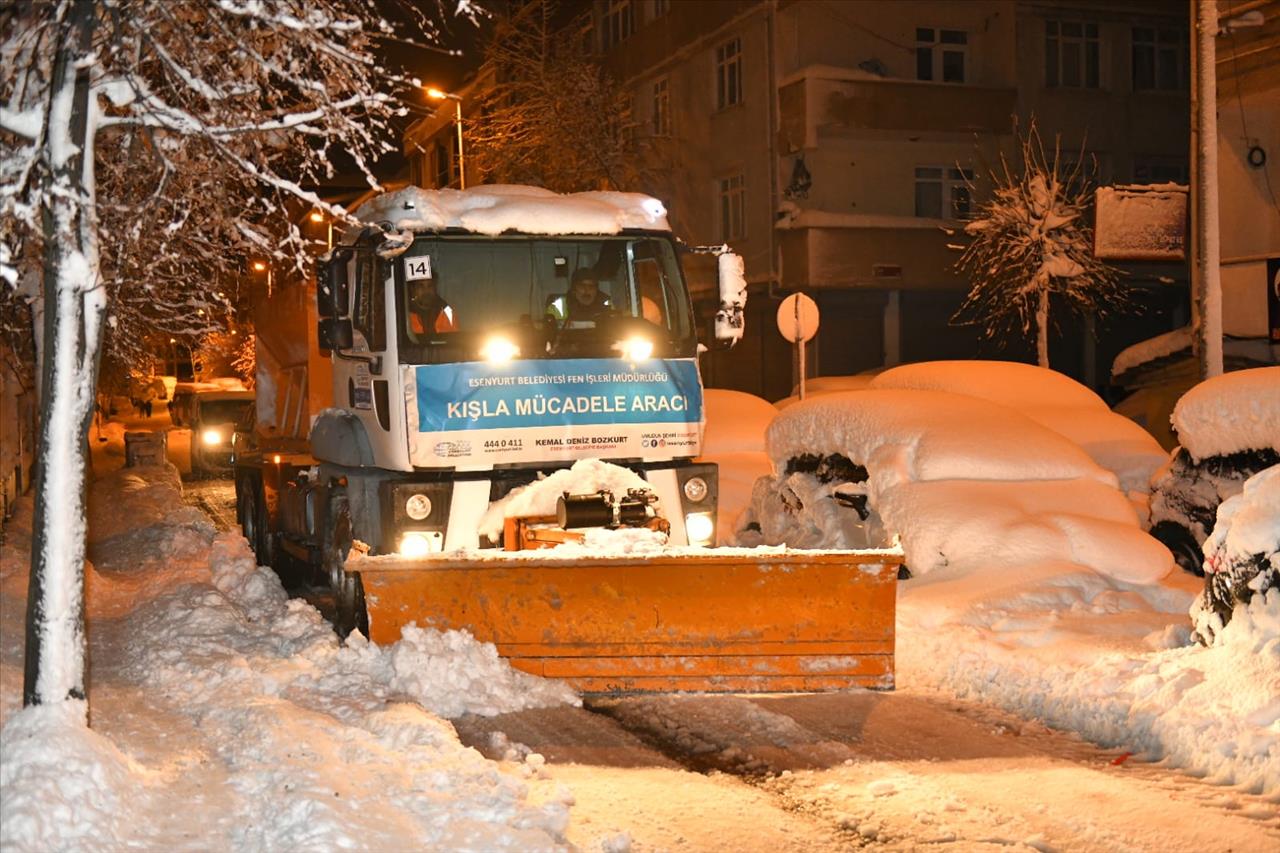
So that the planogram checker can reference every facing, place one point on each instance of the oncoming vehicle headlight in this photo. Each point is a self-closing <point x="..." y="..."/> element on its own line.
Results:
<point x="700" y="528"/>
<point x="695" y="489"/>
<point x="498" y="350"/>
<point x="417" y="506"/>
<point x="211" y="436"/>
<point x="420" y="543"/>
<point x="635" y="349"/>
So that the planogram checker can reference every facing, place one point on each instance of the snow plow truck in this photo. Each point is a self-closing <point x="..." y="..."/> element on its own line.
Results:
<point x="458" y="347"/>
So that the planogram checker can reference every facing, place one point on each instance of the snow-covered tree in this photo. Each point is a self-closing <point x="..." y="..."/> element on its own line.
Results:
<point x="554" y="117"/>
<point x="1032" y="245"/>
<point x="145" y="144"/>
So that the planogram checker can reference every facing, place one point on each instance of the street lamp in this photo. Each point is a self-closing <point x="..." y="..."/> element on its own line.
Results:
<point x="318" y="217"/>
<point x="262" y="266"/>
<point x="436" y="94"/>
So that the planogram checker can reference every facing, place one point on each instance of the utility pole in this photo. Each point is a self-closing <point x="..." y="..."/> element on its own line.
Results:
<point x="1206" y="285"/>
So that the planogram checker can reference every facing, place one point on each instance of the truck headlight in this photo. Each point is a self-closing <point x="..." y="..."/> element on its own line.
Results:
<point x="417" y="506"/>
<point x="635" y="349"/>
<point x="499" y="350"/>
<point x="211" y="437"/>
<point x="700" y="527"/>
<point x="420" y="543"/>
<point x="695" y="489"/>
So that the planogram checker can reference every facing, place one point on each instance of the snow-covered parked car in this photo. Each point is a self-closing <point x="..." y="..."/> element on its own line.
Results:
<point x="1242" y="555"/>
<point x="734" y="439"/>
<point x="1053" y="400"/>
<point x="1228" y="429"/>
<point x="961" y="481"/>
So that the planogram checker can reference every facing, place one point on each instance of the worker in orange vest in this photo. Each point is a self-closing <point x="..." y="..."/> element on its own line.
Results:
<point x="428" y="311"/>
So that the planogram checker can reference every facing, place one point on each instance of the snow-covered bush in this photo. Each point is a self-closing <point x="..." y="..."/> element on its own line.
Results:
<point x="1229" y="429"/>
<point x="1242" y="556"/>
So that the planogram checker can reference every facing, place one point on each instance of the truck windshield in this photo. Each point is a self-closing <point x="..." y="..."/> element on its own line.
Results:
<point x="551" y="297"/>
<point x="223" y="411"/>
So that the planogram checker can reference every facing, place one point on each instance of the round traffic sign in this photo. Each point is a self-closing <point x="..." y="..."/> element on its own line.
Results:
<point x="798" y="318"/>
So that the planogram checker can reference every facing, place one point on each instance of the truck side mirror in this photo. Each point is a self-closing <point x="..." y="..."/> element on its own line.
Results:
<point x="733" y="298"/>
<point x="331" y="288"/>
<point x="335" y="333"/>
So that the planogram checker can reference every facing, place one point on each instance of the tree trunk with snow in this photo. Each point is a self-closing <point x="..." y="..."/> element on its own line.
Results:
<point x="73" y="312"/>
<point x="1042" y="328"/>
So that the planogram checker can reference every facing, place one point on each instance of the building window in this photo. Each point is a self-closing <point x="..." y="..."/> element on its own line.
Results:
<point x="943" y="193"/>
<point x="444" y="169"/>
<point x="1071" y="54"/>
<point x="729" y="74"/>
<point x="1160" y="59"/>
<point x="661" y="108"/>
<point x="1160" y="171"/>
<point x="733" y="196"/>
<point x="941" y="54"/>
<point x="619" y="23"/>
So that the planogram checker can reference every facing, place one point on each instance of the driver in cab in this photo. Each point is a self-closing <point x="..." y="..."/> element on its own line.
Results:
<point x="428" y="311"/>
<point x="583" y="302"/>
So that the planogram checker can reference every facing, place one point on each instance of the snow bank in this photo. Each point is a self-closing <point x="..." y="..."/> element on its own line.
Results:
<point x="290" y="738"/>
<point x="1107" y="660"/>
<point x="63" y="781"/>
<point x="1052" y="400"/>
<point x="958" y="527"/>
<point x="1229" y="413"/>
<point x="495" y="209"/>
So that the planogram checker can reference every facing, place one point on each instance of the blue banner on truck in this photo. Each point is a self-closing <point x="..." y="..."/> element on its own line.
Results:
<point x="536" y="410"/>
<point x="559" y="392"/>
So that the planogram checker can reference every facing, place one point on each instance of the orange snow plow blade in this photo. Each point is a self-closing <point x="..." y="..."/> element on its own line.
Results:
<point x="776" y="622"/>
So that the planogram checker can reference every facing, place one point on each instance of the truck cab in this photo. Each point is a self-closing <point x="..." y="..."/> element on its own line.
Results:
<point x="481" y="339"/>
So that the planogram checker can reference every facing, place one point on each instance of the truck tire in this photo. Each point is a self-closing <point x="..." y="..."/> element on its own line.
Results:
<point x="348" y="594"/>
<point x="251" y="507"/>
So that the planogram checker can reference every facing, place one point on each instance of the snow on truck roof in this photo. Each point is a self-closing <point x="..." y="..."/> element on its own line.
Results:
<point x="500" y="208"/>
<point x="1229" y="413"/>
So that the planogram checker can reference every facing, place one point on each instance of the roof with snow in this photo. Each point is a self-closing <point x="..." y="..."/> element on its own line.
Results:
<point x="499" y="208"/>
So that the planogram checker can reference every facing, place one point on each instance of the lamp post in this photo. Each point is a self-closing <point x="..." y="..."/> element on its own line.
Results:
<point x="318" y="217"/>
<point x="263" y="266"/>
<point x="439" y="95"/>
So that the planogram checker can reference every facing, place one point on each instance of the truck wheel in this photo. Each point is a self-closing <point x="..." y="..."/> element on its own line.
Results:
<point x="251" y="506"/>
<point x="247" y="510"/>
<point x="1185" y="548"/>
<point x="348" y="594"/>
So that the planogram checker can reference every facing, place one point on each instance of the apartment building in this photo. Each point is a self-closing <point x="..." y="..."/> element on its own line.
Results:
<point x="839" y="145"/>
<point x="835" y="145"/>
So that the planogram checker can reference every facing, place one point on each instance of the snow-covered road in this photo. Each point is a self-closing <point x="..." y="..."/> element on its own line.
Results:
<point x="893" y="771"/>
<point x="226" y="717"/>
